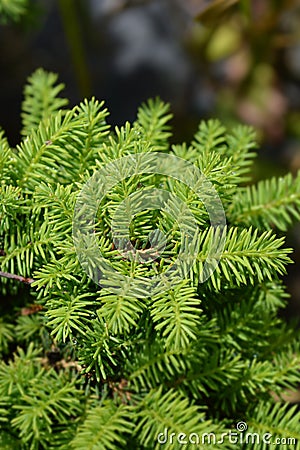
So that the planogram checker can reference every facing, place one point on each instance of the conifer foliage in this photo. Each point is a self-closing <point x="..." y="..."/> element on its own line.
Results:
<point x="89" y="366"/>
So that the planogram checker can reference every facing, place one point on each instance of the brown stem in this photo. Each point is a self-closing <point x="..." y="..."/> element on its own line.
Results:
<point x="12" y="276"/>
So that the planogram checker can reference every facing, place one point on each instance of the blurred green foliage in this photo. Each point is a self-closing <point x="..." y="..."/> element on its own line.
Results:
<point x="252" y="55"/>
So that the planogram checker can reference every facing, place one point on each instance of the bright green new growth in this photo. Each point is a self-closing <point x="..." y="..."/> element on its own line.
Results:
<point x="84" y="368"/>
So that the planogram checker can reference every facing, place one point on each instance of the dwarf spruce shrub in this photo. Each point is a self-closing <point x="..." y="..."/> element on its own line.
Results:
<point x="96" y="356"/>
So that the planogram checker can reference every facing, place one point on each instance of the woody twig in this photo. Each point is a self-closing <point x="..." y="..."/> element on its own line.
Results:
<point x="13" y="276"/>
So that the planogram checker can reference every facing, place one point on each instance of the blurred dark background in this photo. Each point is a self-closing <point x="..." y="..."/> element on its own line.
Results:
<point x="235" y="60"/>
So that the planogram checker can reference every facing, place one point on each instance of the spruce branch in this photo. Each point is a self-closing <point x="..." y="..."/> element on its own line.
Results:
<point x="159" y="411"/>
<point x="280" y="420"/>
<point x="247" y="257"/>
<point x="40" y="99"/>
<point x="270" y="203"/>
<point x="105" y="426"/>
